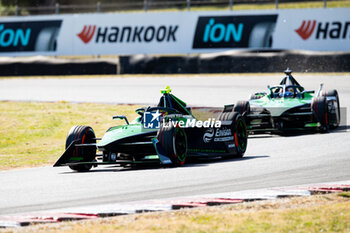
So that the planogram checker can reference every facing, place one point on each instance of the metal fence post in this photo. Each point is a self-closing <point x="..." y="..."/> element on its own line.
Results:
<point x="57" y="8"/>
<point x="276" y="4"/>
<point x="16" y="11"/>
<point x="145" y="7"/>
<point x="188" y="5"/>
<point x="98" y="7"/>
<point x="324" y="3"/>
<point x="231" y="5"/>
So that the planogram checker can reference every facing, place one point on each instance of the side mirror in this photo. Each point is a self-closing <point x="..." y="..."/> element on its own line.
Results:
<point x="121" y="117"/>
<point x="319" y="90"/>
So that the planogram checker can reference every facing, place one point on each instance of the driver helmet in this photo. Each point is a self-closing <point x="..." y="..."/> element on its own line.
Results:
<point x="288" y="94"/>
<point x="290" y="89"/>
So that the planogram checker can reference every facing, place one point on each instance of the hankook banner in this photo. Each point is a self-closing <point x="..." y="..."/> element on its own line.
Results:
<point x="175" y="32"/>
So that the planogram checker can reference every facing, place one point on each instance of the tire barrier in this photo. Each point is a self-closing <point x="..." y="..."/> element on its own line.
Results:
<point x="53" y="66"/>
<point x="225" y="62"/>
<point x="238" y="62"/>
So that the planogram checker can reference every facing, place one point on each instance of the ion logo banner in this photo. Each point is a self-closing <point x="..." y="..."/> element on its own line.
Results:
<point x="253" y="31"/>
<point x="29" y="36"/>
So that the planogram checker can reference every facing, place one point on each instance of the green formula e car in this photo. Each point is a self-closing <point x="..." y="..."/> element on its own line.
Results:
<point x="166" y="134"/>
<point x="288" y="107"/>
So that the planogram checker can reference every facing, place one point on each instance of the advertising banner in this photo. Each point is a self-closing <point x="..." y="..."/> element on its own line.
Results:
<point x="154" y="33"/>
<point x="311" y="29"/>
<point x="175" y="32"/>
<point x="21" y="36"/>
<point x="234" y="31"/>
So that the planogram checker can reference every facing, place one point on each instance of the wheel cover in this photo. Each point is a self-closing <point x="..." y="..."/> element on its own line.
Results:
<point x="241" y="135"/>
<point x="180" y="144"/>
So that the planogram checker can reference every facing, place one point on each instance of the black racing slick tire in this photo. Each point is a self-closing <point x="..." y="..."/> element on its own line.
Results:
<point x="333" y="107"/>
<point x="82" y="134"/>
<point x="320" y="111"/>
<point x="242" y="107"/>
<point x="240" y="134"/>
<point x="173" y="141"/>
<point x="239" y="131"/>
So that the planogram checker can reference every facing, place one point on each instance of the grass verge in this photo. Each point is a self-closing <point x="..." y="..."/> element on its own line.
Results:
<point x="34" y="134"/>
<point x="324" y="213"/>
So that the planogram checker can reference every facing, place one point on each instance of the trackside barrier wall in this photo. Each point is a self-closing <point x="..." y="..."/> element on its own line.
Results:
<point x="40" y="65"/>
<point x="237" y="62"/>
<point x="176" y="32"/>
<point x="226" y="62"/>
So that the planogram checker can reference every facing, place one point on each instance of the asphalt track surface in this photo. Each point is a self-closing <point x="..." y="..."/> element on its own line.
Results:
<point x="270" y="160"/>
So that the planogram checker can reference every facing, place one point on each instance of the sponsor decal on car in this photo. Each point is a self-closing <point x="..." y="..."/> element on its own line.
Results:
<point x="151" y="120"/>
<point x="208" y="135"/>
<point x="217" y="135"/>
<point x="223" y="135"/>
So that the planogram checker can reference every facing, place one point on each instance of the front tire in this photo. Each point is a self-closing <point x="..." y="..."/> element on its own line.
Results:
<point x="320" y="111"/>
<point x="81" y="135"/>
<point x="240" y="134"/>
<point x="173" y="141"/>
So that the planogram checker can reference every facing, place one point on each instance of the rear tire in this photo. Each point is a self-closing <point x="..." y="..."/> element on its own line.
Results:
<point x="242" y="107"/>
<point x="173" y="141"/>
<point x="239" y="131"/>
<point x="82" y="134"/>
<point x="319" y="108"/>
